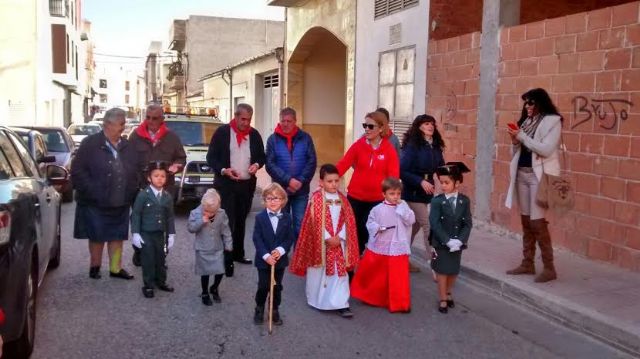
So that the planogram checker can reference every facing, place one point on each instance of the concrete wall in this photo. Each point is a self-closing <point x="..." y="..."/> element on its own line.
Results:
<point x="214" y="43"/>
<point x="413" y="32"/>
<point x="590" y="64"/>
<point x="247" y="83"/>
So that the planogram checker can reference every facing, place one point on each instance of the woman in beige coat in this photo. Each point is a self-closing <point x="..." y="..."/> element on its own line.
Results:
<point x="535" y="141"/>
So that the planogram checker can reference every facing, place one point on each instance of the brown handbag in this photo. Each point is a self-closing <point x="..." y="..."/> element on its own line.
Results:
<point x="556" y="192"/>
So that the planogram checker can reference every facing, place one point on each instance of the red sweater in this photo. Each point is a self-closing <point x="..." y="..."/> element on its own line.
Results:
<point x="370" y="168"/>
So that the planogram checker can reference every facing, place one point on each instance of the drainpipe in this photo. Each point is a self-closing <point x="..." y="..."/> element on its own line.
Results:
<point x="229" y="73"/>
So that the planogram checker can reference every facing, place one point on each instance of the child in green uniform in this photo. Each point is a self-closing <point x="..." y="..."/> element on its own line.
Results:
<point x="450" y="221"/>
<point x="152" y="221"/>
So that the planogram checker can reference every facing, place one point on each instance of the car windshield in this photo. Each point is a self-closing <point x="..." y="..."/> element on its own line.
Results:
<point x="54" y="140"/>
<point x="83" y="130"/>
<point x="193" y="133"/>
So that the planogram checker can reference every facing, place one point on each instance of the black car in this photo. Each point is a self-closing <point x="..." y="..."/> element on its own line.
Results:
<point x="61" y="145"/>
<point x="29" y="238"/>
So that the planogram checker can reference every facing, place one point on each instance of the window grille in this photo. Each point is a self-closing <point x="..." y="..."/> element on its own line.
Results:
<point x="271" y="81"/>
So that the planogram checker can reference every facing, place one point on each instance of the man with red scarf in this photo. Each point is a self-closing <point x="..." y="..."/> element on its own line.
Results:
<point x="155" y="142"/>
<point x="291" y="162"/>
<point x="236" y="153"/>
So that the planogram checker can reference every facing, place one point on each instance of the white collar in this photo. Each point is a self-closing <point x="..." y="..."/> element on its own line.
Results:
<point x="155" y="191"/>
<point x="452" y="194"/>
<point x="328" y="195"/>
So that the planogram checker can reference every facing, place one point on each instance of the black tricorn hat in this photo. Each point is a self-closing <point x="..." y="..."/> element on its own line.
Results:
<point x="157" y="165"/>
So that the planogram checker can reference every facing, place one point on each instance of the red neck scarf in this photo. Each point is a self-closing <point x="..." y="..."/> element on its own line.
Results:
<point x="143" y="131"/>
<point x="289" y="136"/>
<point x="240" y="135"/>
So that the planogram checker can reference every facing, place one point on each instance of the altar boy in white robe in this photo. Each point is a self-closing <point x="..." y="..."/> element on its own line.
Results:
<point x="327" y="247"/>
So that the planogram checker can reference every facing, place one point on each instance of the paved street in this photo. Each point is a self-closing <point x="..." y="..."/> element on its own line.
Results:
<point x="109" y="318"/>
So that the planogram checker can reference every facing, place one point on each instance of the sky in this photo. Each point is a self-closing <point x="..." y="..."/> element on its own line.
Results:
<point x="126" y="27"/>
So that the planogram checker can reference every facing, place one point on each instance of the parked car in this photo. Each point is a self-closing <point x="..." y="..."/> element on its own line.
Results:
<point x="195" y="133"/>
<point x="37" y="147"/>
<point x="59" y="144"/>
<point x="129" y="127"/>
<point x="29" y="238"/>
<point x="79" y="132"/>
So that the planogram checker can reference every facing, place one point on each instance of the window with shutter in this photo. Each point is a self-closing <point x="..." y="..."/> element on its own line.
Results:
<point x="386" y="7"/>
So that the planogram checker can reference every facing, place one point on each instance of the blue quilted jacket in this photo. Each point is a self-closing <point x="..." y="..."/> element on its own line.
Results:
<point x="300" y="163"/>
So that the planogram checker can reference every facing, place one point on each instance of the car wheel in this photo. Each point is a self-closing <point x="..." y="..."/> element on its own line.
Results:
<point x="23" y="346"/>
<point x="54" y="261"/>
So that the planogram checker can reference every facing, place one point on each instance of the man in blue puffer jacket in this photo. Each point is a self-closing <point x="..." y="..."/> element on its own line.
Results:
<point x="291" y="162"/>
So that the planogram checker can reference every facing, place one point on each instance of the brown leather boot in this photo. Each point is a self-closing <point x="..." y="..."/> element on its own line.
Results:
<point x="528" y="249"/>
<point x="541" y="231"/>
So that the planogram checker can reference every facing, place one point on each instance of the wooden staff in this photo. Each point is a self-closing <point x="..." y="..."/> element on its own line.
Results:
<point x="271" y="285"/>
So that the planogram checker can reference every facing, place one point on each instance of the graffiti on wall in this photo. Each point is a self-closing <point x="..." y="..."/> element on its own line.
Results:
<point x="606" y="111"/>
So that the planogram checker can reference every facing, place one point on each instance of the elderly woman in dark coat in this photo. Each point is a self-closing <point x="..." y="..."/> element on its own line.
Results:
<point x="105" y="176"/>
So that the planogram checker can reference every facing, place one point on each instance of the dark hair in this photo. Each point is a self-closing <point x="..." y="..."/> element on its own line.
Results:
<point x="385" y="112"/>
<point x="328" y="169"/>
<point x="391" y="183"/>
<point x="414" y="135"/>
<point x="157" y="165"/>
<point x="454" y="175"/>
<point x="542" y="102"/>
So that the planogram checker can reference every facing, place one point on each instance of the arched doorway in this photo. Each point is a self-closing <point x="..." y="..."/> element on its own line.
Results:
<point x="317" y="89"/>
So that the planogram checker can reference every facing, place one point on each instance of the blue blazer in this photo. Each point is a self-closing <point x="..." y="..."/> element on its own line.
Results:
<point x="266" y="241"/>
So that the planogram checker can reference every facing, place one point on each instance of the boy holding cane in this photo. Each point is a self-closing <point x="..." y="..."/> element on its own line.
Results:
<point x="272" y="237"/>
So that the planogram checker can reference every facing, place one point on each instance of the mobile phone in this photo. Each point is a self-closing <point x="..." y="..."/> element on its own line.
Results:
<point x="512" y="126"/>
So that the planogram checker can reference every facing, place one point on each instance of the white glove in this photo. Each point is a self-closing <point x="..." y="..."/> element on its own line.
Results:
<point x="136" y="240"/>
<point x="170" y="240"/>
<point x="454" y="245"/>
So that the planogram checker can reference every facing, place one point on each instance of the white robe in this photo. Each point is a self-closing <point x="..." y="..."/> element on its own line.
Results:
<point x="323" y="291"/>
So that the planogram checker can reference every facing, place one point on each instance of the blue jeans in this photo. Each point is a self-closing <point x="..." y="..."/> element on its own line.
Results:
<point x="296" y="205"/>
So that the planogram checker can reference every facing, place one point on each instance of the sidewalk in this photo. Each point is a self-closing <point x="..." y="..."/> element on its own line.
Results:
<point x="599" y="300"/>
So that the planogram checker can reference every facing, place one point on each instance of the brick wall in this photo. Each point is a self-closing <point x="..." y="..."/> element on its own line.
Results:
<point x="453" y="18"/>
<point x="536" y="10"/>
<point x="453" y="91"/>
<point x="590" y="64"/>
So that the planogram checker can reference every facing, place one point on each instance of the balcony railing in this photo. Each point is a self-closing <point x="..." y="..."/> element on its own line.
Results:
<point x="59" y="8"/>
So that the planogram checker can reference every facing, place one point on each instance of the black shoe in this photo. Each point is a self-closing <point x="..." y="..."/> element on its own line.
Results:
<point x="345" y="313"/>
<point x="258" y="316"/>
<point x="206" y="300"/>
<point x="276" y="317"/>
<point x="94" y="272"/>
<point x="147" y="292"/>
<point x="443" y="309"/>
<point x="450" y="302"/>
<point x="165" y="288"/>
<point x="215" y="295"/>
<point x="121" y="274"/>
<point x="136" y="258"/>
<point x="243" y="261"/>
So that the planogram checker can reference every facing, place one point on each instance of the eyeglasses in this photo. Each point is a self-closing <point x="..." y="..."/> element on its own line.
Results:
<point x="273" y="199"/>
<point x="368" y="126"/>
<point x="530" y="103"/>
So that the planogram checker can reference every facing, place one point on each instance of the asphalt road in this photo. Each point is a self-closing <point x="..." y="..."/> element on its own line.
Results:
<point x="79" y="317"/>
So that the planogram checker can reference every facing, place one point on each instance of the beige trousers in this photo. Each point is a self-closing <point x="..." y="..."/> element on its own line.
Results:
<point x="527" y="188"/>
<point x="421" y="210"/>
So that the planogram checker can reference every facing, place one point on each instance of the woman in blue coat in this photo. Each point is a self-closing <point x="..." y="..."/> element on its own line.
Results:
<point x="421" y="155"/>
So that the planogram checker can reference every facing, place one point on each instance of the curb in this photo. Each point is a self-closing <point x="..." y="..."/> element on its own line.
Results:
<point x="575" y="317"/>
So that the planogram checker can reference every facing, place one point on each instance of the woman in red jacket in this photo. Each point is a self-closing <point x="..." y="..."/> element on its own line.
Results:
<point x="373" y="159"/>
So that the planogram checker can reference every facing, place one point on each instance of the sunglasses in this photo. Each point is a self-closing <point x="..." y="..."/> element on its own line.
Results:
<point x="530" y="103"/>
<point x="368" y="126"/>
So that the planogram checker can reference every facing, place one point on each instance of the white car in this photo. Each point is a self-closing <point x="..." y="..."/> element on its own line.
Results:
<point x="79" y="132"/>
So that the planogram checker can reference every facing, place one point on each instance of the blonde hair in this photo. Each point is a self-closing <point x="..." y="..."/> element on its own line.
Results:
<point x="211" y="200"/>
<point x="276" y="190"/>
<point x="381" y="120"/>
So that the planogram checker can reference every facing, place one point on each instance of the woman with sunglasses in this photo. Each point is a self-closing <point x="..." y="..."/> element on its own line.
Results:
<point x="373" y="159"/>
<point x="535" y="140"/>
<point x="421" y="155"/>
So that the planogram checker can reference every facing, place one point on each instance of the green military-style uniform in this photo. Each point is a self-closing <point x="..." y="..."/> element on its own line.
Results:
<point x="152" y="217"/>
<point x="449" y="221"/>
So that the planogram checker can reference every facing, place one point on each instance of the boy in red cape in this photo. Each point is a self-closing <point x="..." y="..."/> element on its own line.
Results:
<point x="327" y="247"/>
